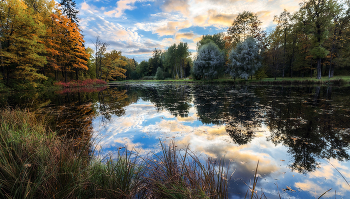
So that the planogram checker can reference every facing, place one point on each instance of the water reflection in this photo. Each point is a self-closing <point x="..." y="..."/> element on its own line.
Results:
<point x="292" y="131"/>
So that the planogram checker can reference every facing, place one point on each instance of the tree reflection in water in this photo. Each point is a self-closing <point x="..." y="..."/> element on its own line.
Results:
<point x="313" y="122"/>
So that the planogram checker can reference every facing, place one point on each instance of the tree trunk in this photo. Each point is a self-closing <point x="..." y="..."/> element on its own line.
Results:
<point x="8" y="75"/>
<point x="319" y="70"/>
<point x="65" y="75"/>
<point x="77" y="74"/>
<point x="2" y="64"/>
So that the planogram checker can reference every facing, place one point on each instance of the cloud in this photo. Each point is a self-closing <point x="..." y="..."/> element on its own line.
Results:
<point x="122" y="5"/>
<point x="187" y="35"/>
<point x="200" y="19"/>
<point x="122" y="33"/>
<point x="177" y="5"/>
<point x="314" y="189"/>
<point x="216" y="18"/>
<point x="172" y="27"/>
<point x="140" y="51"/>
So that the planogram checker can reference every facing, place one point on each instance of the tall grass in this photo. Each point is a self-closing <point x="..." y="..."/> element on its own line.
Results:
<point x="34" y="162"/>
<point x="178" y="173"/>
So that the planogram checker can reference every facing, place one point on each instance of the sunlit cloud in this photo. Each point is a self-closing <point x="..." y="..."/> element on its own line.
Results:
<point x="177" y="5"/>
<point x="186" y="35"/>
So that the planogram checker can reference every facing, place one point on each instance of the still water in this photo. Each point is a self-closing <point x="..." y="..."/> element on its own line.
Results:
<point x="299" y="135"/>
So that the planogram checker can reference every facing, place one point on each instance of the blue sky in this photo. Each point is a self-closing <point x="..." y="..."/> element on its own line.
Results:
<point x="136" y="27"/>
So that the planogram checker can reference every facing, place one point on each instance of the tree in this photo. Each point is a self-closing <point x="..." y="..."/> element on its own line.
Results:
<point x="21" y="50"/>
<point x="68" y="8"/>
<point x="72" y="56"/>
<point x="318" y="16"/>
<point x="245" y="25"/>
<point x="159" y="74"/>
<point x="283" y="25"/>
<point x="245" y="59"/>
<point x="338" y="39"/>
<point x="209" y="62"/>
<point x="91" y="67"/>
<point x="154" y="62"/>
<point x="112" y="66"/>
<point x="100" y="49"/>
<point x="218" y="39"/>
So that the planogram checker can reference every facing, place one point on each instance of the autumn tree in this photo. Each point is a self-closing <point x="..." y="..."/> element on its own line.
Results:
<point x="68" y="53"/>
<point x="21" y="50"/>
<point x="112" y="66"/>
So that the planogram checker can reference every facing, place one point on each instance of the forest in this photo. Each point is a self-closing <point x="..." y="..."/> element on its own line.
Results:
<point x="41" y="43"/>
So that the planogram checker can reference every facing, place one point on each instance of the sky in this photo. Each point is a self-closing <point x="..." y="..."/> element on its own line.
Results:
<point x="137" y="27"/>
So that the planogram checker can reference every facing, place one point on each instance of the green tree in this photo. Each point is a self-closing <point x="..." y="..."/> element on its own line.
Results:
<point x="209" y="62"/>
<point x="283" y="26"/>
<point x="90" y="63"/>
<point x="245" y="25"/>
<point x="318" y="16"/>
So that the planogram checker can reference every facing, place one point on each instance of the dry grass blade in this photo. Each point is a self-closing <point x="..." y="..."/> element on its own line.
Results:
<point x="324" y="193"/>
<point x="255" y="180"/>
<point x="339" y="172"/>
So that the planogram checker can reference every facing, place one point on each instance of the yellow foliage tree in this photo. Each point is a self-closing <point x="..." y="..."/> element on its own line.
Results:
<point x="112" y="64"/>
<point x="21" y="50"/>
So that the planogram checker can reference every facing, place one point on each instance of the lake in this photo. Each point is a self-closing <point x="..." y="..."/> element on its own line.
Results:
<point x="299" y="135"/>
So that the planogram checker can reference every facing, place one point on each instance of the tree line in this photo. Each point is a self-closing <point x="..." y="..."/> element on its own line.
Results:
<point x="313" y="41"/>
<point x="40" y="41"/>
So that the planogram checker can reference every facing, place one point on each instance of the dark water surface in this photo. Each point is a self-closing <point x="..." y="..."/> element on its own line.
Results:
<point x="298" y="134"/>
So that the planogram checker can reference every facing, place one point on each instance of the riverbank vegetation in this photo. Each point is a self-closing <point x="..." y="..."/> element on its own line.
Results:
<point x="37" y="163"/>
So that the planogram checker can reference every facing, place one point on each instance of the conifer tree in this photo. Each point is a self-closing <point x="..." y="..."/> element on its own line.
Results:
<point x="209" y="62"/>
<point x="245" y="59"/>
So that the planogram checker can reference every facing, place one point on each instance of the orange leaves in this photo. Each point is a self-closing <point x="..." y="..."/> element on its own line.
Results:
<point x="64" y="44"/>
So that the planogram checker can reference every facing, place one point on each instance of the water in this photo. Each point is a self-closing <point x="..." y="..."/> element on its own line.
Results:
<point x="299" y="135"/>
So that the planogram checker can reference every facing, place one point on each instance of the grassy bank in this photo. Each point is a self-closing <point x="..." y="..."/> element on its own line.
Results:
<point x="36" y="163"/>
<point x="337" y="80"/>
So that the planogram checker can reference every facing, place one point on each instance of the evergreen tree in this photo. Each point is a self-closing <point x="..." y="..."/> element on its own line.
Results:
<point x="209" y="62"/>
<point x="69" y="9"/>
<point x="245" y="59"/>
